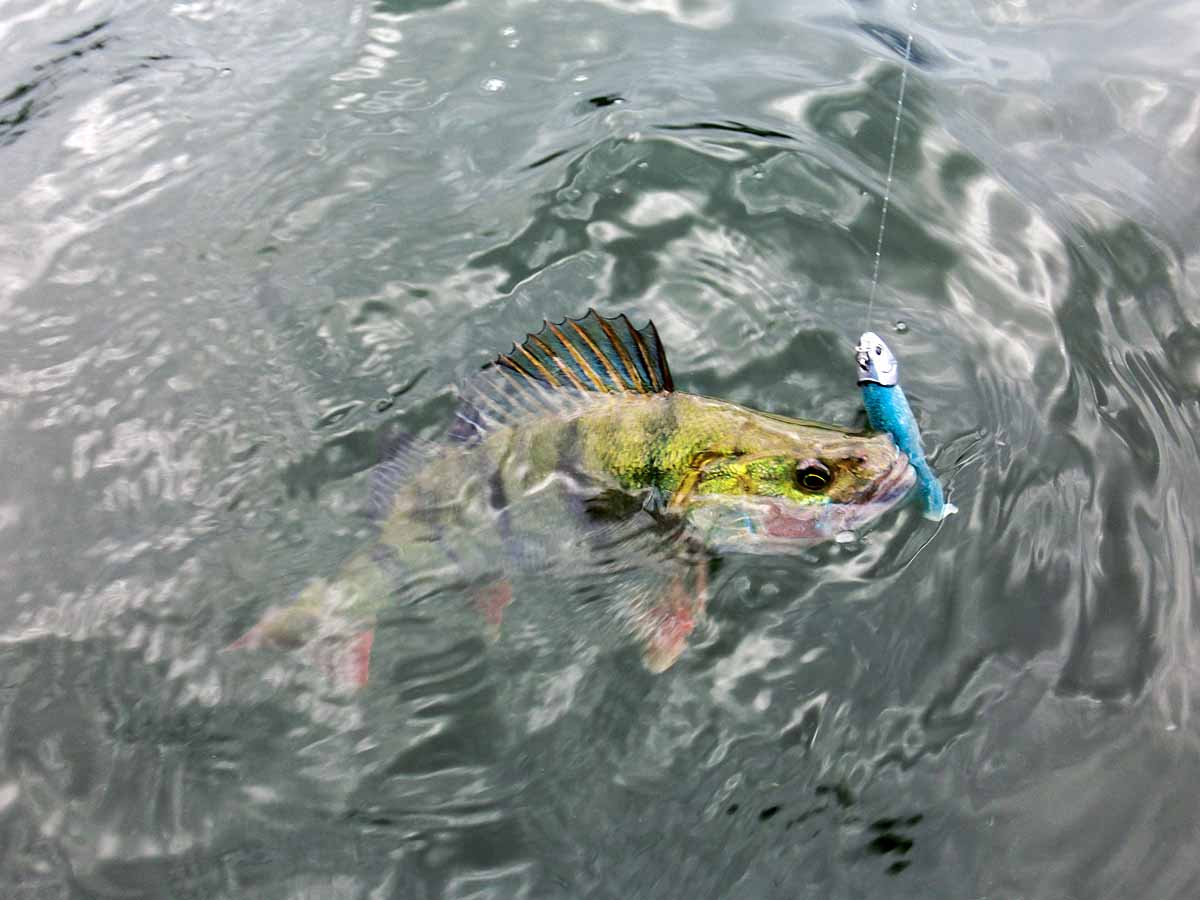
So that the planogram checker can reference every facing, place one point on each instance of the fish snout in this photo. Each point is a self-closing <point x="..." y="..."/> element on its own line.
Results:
<point x="897" y="481"/>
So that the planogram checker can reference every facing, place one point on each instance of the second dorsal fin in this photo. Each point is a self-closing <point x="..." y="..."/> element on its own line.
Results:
<point x="593" y="353"/>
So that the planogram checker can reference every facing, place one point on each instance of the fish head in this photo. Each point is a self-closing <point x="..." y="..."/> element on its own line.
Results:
<point x="875" y="361"/>
<point x="815" y="483"/>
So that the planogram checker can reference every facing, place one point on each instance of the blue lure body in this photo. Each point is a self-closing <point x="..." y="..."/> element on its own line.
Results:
<point x="888" y="411"/>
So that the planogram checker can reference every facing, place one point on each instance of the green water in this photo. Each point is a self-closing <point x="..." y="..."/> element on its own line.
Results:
<point x="243" y="246"/>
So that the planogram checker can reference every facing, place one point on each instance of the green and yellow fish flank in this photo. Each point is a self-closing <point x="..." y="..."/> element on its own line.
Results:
<point x="573" y="452"/>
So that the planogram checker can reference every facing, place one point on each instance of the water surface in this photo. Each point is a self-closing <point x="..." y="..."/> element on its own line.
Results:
<point x="243" y="246"/>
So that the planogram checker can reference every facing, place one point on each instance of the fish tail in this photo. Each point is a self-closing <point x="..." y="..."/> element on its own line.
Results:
<point x="330" y="623"/>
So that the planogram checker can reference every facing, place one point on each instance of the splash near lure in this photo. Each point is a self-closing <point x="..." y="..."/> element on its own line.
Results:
<point x="888" y="411"/>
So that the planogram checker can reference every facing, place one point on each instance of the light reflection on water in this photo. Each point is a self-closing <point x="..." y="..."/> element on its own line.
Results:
<point x="242" y="248"/>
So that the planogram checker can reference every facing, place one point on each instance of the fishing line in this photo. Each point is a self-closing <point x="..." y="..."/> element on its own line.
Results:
<point x="878" y="371"/>
<point x="887" y="189"/>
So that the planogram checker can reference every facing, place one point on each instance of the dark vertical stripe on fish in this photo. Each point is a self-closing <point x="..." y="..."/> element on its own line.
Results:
<point x="498" y="498"/>
<point x="664" y="433"/>
<point x="568" y="449"/>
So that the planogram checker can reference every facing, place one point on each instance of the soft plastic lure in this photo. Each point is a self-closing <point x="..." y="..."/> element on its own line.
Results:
<point x="888" y="411"/>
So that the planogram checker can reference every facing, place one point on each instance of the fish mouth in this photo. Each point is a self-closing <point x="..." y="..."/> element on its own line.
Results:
<point x="895" y="483"/>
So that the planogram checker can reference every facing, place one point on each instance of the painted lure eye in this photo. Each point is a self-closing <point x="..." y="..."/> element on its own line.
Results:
<point x="812" y="477"/>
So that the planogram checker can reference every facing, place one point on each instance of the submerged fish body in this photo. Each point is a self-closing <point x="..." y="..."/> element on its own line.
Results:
<point x="573" y="450"/>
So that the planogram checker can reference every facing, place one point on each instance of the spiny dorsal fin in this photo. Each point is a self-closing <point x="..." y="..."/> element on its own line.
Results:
<point x="592" y="354"/>
<point x="562" y="370"/>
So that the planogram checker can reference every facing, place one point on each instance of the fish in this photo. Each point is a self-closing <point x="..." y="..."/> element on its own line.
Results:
<point x="574" y="455"/>
<point x="888" y="412"/>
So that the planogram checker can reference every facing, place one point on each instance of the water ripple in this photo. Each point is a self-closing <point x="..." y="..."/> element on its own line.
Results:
<point x="244" y="249"/>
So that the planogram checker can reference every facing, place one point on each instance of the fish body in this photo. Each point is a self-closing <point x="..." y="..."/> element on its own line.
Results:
<point x="574" y="453"/>
<point x="888" y="412"/>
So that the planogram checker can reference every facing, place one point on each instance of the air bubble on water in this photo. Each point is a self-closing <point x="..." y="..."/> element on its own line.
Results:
<point x="493" y="85"/>
<point x="580" y="77"/>
<point x="508" y="30"/>
<point x="845" y="537"/>
<point x="901" y="327"/>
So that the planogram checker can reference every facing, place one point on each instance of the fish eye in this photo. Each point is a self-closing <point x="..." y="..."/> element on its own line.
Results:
<point x="813" y="477"/>
<point x="878" y="350"/>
